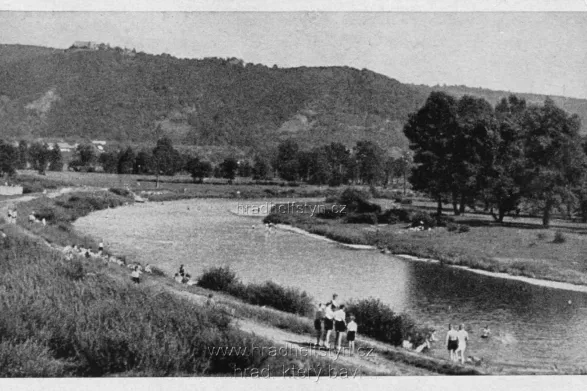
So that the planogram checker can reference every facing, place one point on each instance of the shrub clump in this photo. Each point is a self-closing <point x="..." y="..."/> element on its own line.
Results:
<point x="357" y="201"/>
<point x="290" y="300"/>
<point x="361" y="218"/>
<point x="559" y="237"/>
<point x="121" y="192"/>
<point x="378" y="321"/>
<point x="423" y="219"/>
<point x="218" y="279"/>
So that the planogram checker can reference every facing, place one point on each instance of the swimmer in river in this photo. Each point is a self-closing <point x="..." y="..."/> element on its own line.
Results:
<point x="485" y="332"/>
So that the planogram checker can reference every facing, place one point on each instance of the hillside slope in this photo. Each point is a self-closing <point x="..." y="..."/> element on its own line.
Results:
<point x="120" y="95"/>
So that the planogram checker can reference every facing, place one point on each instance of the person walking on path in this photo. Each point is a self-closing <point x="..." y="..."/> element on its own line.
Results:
<point x="463" y="337"/>
<point x="452" y="342"/>
<point x="319" y="323"/>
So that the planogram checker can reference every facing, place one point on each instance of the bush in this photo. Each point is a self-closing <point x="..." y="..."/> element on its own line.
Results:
<point x="357" y="200"/>
<point x="464" y="228"/>
<point x="218" y="279"/>
<point x="29" y="359"/>
<point x="361" y="218"/>
<point x="273" y="295"/>
<point x="32" y="188"/>
<point x="388" y="217"/>
<point x="378" y="321"/>
<point x="452" y="227"/>
<point x="559" y="237"/>
<point x="444" y="220"/>
<point x="423" y="219"/>
<point x="121" y="192"/>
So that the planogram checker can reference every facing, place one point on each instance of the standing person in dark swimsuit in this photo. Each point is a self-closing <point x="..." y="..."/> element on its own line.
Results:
<point x="351" y="334"/>
<point x="319" y="323"/>
<point x="452" y="342"/>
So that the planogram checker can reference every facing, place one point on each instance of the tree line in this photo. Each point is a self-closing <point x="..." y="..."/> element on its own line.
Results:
<point x="466" y="151"/>
<point x="38" y="155"/>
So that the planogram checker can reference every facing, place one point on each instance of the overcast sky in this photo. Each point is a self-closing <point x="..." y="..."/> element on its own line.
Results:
<point x="521" y="52"/>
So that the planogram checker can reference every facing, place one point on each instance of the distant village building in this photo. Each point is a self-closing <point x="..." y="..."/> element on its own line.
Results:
<point x="87" y="45"/>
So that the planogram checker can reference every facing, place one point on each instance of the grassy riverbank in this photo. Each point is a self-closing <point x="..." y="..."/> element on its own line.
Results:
<point x="85" y="318"/>
<point x="518" y="247"/>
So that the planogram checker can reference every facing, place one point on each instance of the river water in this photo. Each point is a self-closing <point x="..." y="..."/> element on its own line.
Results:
<point x="532" y="326"/>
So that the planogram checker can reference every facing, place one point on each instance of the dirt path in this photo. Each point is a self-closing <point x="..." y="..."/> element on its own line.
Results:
<point x="301" y="345"/>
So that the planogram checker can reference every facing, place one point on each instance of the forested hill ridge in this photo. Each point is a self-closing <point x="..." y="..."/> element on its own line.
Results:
<point x="118" y="94"/>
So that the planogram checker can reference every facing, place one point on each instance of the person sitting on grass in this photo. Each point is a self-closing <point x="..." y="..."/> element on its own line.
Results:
<point x="485" y="332"/>
<point x="32" y="217"/>
<point x="181" y="270"/>
<point x="135" y="275"/>
<point x="351" y="334"/>
<point x="210" y="301"/>
<point x="177" y="278"/>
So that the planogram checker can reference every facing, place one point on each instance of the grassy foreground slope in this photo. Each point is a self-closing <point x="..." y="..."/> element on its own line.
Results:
<point x="84" y="317"/>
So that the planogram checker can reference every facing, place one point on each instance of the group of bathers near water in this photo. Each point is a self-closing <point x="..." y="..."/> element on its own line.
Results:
<point x="332" y="317"/>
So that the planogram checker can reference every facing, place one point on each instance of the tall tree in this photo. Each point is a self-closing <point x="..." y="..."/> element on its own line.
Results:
<point x="229" y="167"/>
<point x="166" y="159"/>
<point x="39" y="154"/>
<point x="503" y="177"/>
<point x="109" y="162"/>
<point x="286" y="162"/>
<point x="126" y="161"/>
<point x="198" y="169"/>
<point x="55" y="158"/>
<point x="143" y="163"/>
<point x="430" y="130"/>
<point x="469" y="148"/>
<point x="261" y="168"/>
<point x="23" y="155"/>
<point x="371" y="160"/>
<point x="555" y="158"/>
<point x="339" y="161"/>
<point x="8" y="159"/>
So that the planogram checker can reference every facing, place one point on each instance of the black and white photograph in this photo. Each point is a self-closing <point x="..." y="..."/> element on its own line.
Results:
<point x="323" y="195"/>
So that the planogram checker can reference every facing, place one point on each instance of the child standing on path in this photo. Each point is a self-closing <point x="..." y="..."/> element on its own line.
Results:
<point x="351" y="334"/>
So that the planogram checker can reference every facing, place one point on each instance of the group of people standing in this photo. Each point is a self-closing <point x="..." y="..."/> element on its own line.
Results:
<point x="456" y="343"/>
<point x="332" y="317"/>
